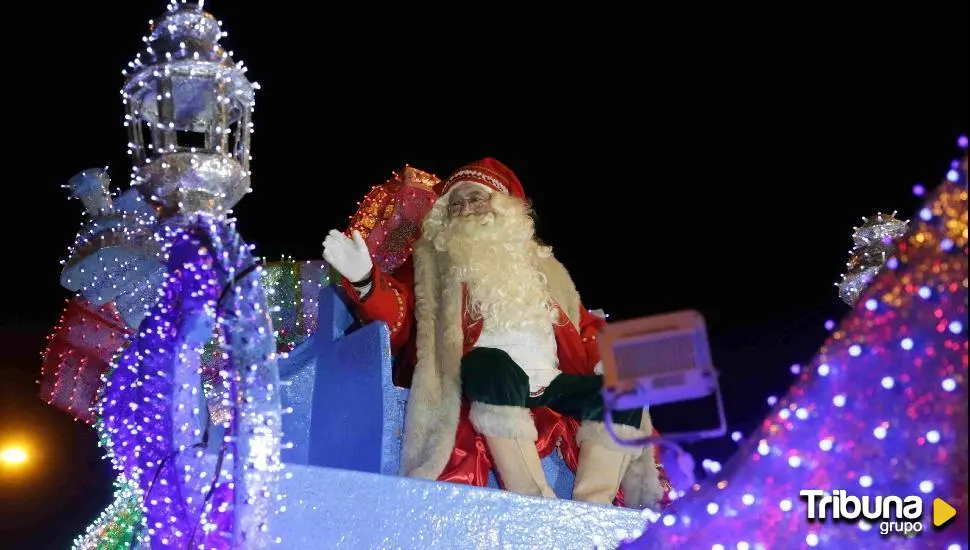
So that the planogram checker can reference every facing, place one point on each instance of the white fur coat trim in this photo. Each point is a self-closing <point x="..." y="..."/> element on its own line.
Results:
<point x="503" y="421"/>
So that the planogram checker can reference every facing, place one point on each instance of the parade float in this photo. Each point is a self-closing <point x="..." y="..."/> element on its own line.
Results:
<point x="222" y="386"/>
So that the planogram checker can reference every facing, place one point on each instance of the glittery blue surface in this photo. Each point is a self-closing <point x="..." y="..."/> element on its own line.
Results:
<point x="392" y="432"/>
<point x="297" y="373"/>
<point x="330" y="508"/>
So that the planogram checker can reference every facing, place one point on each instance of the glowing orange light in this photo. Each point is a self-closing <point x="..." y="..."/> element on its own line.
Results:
<point x="13" y="455"/>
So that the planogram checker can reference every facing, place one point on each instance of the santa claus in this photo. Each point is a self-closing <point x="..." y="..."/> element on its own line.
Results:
<point x="498" y="350"/>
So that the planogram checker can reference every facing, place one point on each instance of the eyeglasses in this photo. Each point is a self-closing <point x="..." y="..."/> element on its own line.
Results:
<point x="475" y="203"/>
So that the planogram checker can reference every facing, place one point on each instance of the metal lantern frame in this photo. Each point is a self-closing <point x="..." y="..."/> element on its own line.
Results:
<point x="189" y="114"/>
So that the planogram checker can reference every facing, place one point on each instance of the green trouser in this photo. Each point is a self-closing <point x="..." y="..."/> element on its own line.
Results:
<point x="490" y="376"/>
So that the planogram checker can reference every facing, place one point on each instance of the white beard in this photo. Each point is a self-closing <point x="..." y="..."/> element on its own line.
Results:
<point x="495" y="256"/>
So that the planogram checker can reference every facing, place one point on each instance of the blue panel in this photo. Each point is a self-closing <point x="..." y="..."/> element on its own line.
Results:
<point x="348" y="401"/>
<point x="347" y="408"/>
<point x="333" y="315"/>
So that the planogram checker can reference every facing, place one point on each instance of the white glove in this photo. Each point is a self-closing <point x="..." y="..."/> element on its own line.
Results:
<point x="598" y="368"/>
<point x="350" y="257"/>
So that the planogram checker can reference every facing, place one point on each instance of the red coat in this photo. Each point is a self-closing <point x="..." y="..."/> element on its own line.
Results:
<point x="391" y="300"/>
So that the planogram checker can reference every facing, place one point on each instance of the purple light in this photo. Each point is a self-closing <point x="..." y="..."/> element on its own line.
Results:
<point x="892" y="263"/>
<point x="796" y="368"/>
<point x="712" y="466"/>
<point x="953" y="176"/>
<point x="925" y="292"/>
<point x="946" y="245"/>
<point x="926" y="214"/>
<point x="140" y="444"/>
<point x="772" y="400"/>
<point x="829" y="325"/>
<point x="158" y="421"/>
<point x="962" y="142"/>
<point x="919" y="190"/>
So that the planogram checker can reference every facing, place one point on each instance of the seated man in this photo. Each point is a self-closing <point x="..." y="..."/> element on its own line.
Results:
<point x="500" y="340"/>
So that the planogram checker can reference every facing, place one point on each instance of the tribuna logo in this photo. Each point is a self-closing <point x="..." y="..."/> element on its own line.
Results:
<point x="894" y="514"/>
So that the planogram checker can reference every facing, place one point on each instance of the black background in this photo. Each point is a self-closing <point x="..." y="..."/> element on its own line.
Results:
<point x="715" y="161"/>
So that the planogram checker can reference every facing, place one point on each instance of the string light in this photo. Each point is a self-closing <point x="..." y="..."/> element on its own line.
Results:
<point x="150" y="406"/>
<point x="182" y="54"/>
<point x="77" y="356"/>
<point x="207" y="283"/>
<point x="388" y="218"/>
<point x="873" y="246"/>
<point x="117" y="524"/>
<point x="887" y="396"/>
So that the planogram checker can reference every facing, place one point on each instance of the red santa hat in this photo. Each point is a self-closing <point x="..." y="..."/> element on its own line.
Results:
<point x="488" y="173"/>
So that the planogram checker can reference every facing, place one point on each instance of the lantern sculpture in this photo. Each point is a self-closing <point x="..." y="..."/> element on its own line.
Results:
<point x="189" y="110"/>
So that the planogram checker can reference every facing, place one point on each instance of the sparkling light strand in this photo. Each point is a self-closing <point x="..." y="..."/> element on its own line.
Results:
<point x="883" y="418"/>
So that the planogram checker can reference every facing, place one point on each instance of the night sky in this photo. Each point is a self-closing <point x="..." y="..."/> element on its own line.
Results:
<point x="718" y="167"/>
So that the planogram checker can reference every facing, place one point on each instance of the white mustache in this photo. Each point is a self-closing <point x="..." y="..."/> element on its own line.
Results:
<point x="473" y="219"/>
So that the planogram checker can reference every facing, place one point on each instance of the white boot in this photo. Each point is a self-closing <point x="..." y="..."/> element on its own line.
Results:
<point x="518" y="466"/>
<point x="602" y="462"/>
<point x="599" y="473"/>
<point x="510" y="433"/>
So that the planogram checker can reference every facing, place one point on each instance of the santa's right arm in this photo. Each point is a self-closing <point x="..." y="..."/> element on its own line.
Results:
<point x="376" y="296"/>
<point x="381" y="297"/>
